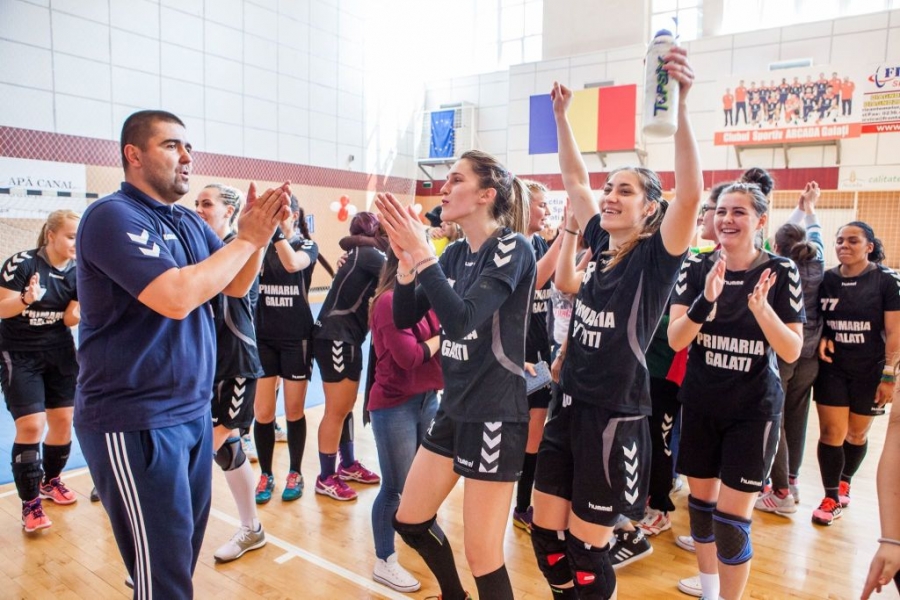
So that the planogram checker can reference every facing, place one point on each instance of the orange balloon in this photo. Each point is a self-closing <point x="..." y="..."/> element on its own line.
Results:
<point x="345" y="200"/>
<point x="343" y="213"/>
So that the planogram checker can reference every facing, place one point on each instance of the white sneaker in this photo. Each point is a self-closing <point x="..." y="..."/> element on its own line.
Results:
<point x="248" y="448"/>
<point x="677" y="485"/>
<point x="390" y="573"/>
<point x="685" y="542"/>
<point x="280" y="434"/>
<point x="654" y="522"/>
<point x="691" y="586"/>
<point x="771" y="503"/>
<point x="242" y="542"/>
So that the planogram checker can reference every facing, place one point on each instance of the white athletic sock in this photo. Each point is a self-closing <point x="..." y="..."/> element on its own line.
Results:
<point x="243" y="489"/>
<point x="710" y="584"/>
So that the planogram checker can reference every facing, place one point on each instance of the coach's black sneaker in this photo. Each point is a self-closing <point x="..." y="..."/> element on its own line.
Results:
<point x="629" y="546"/>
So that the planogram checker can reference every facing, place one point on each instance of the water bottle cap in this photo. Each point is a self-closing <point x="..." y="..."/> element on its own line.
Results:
<point x="663" y="32"/>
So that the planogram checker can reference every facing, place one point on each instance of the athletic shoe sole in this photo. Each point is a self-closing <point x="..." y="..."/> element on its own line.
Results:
<point x="255" y="546"/>
<point x="400" y="588"/>
<point x="684" y="545"/>
<point x="825" y="523"/>
<point x="38" y="528"/>
<point x="633" y="558"/>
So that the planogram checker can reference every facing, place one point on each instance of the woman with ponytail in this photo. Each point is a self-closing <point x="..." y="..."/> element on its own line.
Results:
<point x="860" y="343"/>
<point x="38" y="305"/>
<point x="481" y="291"/>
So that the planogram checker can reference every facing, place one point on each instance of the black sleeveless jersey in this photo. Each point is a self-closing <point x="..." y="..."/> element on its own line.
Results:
<point x="282" y="310"/>
<point x="731" y="369"/>
<point x="40" y="326"/>
<point x="853" y="312"/>
<point x="613" y="321"/>
<point x="345" y="314"/>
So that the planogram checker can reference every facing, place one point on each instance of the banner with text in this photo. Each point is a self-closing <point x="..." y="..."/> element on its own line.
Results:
<point x="809" y="104"/>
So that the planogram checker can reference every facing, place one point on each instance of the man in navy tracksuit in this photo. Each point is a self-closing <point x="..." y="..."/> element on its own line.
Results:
<point x="147" y="349"/>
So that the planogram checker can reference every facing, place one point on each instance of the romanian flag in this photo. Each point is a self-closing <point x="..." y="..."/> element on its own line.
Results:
<point x="603" y="120"/>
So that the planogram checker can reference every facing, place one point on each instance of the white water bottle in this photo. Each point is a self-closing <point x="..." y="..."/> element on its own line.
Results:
<point x="660" y="90"/>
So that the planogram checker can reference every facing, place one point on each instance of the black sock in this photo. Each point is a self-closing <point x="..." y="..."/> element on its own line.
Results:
<point x="853" y="457"/>
<point x="831" y="463"/>
<point x="296" y="434"/>
<point x="27" y="471"/>
<point x="495" y="585"/>
<point x="526" y="482"/>
<point x="433" y="546"/>
<point x="348" y="456"/>
<point x="55" y="459"/>
<point x="264" y="436"/>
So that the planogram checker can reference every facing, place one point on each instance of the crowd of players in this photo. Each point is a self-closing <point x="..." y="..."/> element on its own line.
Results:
<point x="185" y="309"/>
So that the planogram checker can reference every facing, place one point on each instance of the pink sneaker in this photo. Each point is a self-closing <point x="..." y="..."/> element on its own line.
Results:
<point x="827" y="512"/>
<point x="33" y="517"/>
<point x="844" y="494"/>
<point x="334" y="487"/>
<point x="57" y="491"/>
<point x="357" y="472"/>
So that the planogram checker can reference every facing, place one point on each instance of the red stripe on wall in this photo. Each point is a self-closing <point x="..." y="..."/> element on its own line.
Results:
<point x="785" y="179"/>
<point x="57" y="147"/>
<point x="616" y="118"/>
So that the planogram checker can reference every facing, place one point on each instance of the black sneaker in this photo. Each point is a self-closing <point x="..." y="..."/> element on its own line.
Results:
<point x="629" y="546"/>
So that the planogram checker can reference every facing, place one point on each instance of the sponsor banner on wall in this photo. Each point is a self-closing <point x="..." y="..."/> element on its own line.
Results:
<point x="42" y="175"/>
<point x="886" y="178"/>
<point x="809" y="104"/>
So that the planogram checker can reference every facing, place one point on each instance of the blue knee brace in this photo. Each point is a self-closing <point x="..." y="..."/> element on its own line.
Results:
<point x="701" y="514"/>
<point x="733" y="546"/>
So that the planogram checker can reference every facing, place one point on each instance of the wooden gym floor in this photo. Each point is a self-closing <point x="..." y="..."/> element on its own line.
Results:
<point x="321" y="548"/>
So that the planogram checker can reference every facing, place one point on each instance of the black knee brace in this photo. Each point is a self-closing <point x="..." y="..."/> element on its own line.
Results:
<point x="550" y="550"/>
<point x="594" y="575"/>
<point x="733" y="546"/>
<point x="27" y="470"/>
<point x="429" y="541"/>
<point x="231" y="455"/>
<point x="701" y="514"/>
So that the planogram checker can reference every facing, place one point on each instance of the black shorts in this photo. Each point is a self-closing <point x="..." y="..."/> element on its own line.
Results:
<point x="232" y="402"/>
<point x="485" y="451"/>
<point x="597" y="459"/>
<point x="288" y="359"/>
<point x="736" y="451"/>
<point x="32" y="382"/>
<point x="833" y="387"/>
<point x="338" y="360"/>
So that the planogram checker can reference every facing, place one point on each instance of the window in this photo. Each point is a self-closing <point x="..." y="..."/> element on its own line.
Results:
<point x="682" y="17"/>
<point x="750" y="15"/>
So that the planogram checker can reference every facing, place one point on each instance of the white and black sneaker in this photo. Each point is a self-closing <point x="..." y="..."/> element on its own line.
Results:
<point x="629" y="546"/>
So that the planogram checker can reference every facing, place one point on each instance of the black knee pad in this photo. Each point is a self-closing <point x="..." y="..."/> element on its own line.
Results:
<point x="419" y="536"/>
<point x="701" y="514"/>
<point x="595" y="578"/>
<point x="231" y="455"/>
<point x="550" y="550"/>
<point x="733" y="546"/>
